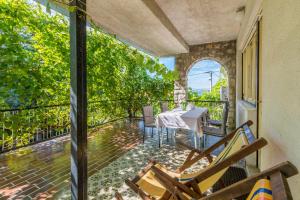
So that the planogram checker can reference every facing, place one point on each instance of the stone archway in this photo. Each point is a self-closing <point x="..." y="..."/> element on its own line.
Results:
<point x="222" y="52"/>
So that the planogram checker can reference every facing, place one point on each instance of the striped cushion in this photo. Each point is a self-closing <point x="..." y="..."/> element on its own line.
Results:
<point x="261" y="191"/>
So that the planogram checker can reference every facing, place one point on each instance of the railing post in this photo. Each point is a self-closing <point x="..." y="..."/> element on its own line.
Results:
<point x="3" y="138"/>
<point x="78" y="100"/>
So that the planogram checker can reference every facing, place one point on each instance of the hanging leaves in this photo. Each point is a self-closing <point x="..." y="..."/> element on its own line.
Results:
<point x="35" y="64"/>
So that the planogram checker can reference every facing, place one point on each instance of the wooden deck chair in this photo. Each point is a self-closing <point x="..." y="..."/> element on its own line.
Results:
<point x="271" y="184"/>
<point x="156" y="182"/>
<point x="195" y="155"/>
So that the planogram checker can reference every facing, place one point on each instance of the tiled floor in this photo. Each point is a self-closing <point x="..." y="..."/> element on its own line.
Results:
<point x="42" y="170"/>
<point x="103" y="184"/>
<point x="115" y="152"/>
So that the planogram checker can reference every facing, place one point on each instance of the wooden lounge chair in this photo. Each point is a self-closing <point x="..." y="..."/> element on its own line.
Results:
<point x="270" y="183"/>
<point x="266" y="185"/>
<point x="156" y="182"/>
<point x="195" y="155"/>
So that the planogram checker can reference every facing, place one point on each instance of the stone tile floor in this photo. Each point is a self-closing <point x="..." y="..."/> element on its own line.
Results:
<point x="115" y="153"/>
<point x="103" y="184"/>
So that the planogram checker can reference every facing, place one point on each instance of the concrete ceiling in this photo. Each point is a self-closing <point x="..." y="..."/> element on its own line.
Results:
<point x="168" y="27"/>
<point x="204" y="21"/>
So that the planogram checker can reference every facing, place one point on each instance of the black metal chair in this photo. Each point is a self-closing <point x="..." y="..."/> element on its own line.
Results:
<point x="218" y="127"/>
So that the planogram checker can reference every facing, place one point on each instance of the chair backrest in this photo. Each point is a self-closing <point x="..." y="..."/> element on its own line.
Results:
<point x="235" y="144"/>
<point x="225" y="116"/>
<point x="164" y="106"/>
<point x="243" y="136"/>
<point x="241" y="145"/>
<point x="190" y="106"/>
<point x="148" y="115"/>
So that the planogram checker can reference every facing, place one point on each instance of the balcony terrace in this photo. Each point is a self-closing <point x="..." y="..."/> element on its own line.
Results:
<point x="84" y="149"/>
<point x="115" y="152"/>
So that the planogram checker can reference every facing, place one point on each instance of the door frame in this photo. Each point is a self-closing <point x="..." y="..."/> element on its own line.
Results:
<point x="259" y="86"/>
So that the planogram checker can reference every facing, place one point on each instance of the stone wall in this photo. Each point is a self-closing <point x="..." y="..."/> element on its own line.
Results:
<point x="222" y="52"/>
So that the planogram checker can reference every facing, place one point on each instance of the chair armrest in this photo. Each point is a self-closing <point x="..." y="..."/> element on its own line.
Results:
<point x="214" y="122"/>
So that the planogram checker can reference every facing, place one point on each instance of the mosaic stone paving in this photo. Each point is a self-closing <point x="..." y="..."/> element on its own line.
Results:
<point x="104" y="184"/>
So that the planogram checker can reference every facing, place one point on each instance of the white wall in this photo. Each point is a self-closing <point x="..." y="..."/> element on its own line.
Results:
<point x="281" y="84"/>
<point x="280" y="123"/>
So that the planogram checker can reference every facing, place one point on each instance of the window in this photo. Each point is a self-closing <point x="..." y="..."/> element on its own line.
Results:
<point x="250" y="55"/>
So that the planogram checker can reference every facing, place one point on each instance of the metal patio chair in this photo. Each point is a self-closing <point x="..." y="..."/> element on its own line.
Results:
<point x="164" y="106"/>
<point x="217" y="127"/>
<point x="149" y="120"/>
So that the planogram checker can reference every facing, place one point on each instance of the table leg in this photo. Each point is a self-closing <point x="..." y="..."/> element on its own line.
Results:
<point x="158" y="135"/>
<point x="161" y="137"/>
<point x="195" y="140"/>
<point x="167" y="135"/>
<point x="174" y="137"/>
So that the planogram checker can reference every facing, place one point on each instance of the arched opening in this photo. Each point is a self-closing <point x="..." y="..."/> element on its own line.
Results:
<point x="207" y="79"/>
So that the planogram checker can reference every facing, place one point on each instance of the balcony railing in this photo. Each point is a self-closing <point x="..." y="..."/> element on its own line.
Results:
<point x="22" y="127"/>
<point x="26" y="126"/>
<point x="215" y="108"/>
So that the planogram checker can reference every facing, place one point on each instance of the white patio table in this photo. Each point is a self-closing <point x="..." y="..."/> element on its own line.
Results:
<point x="178" y="118"/>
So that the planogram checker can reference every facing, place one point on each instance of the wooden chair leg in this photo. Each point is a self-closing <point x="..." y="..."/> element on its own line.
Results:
<point x="118" y="196"/>
<point x="280" y="187"/>
<point x="137" y="190"/>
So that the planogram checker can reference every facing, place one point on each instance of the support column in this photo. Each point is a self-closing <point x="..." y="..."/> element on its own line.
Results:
<point x="78" y="101"/>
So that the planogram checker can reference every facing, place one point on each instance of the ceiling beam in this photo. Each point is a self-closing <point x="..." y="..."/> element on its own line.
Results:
<point x="159" y="13"/>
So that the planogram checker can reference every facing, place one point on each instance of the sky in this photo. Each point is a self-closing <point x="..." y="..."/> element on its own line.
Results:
<point x="197" y="76"/>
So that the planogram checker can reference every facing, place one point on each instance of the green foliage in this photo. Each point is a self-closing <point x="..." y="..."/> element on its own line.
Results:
<point x="34" y="55"/>
<point x="35" y="61"/>
<point x="35" y="70"/>
<point x="214" y="95"/>
<point x="214" y="108"/>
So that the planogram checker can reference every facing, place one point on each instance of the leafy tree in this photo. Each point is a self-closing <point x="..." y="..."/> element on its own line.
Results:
<point x="34" y="55"/>
<point x="214" y="108"/>
<point x="214" y="95"/>
<point x="35" y="61"/>
<point x="35" y="71"/>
